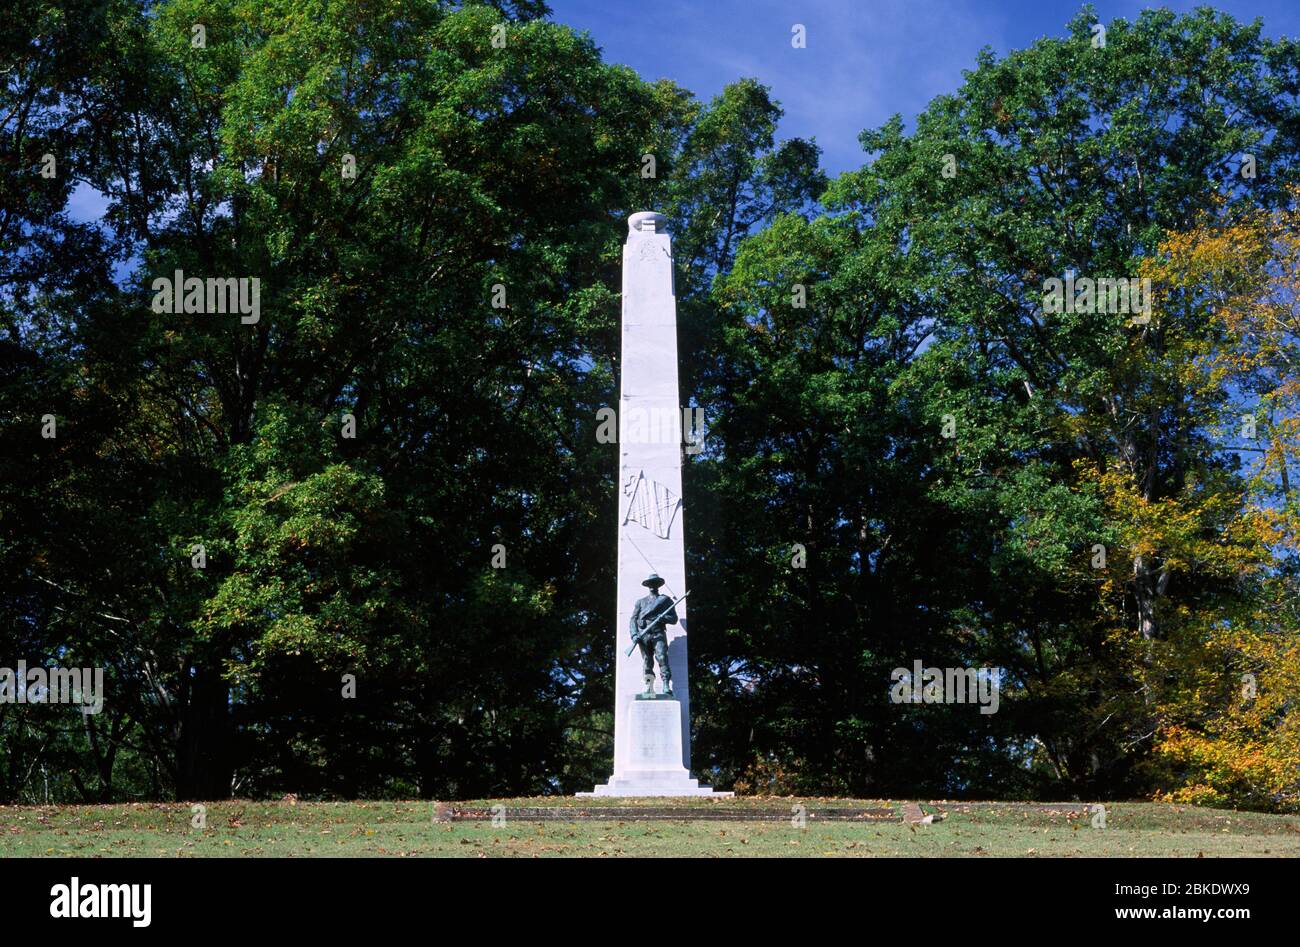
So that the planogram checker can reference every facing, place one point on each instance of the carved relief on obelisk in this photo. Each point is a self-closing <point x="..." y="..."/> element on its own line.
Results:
<point x="650" y="504"/>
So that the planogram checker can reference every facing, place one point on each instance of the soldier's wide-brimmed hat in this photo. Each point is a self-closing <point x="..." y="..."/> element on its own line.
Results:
<point x="653" y="582"/>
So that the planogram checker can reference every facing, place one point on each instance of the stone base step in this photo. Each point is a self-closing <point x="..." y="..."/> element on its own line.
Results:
<point x="633" y="788"/>
<point x="650" y="782"/>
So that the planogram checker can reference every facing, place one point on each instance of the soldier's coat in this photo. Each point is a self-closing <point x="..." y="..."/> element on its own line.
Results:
<point x="647" y="606"/>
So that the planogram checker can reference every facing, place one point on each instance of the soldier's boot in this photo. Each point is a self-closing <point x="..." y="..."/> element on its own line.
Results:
<point x="668" y="685"/>
<point x="649" y="684"/>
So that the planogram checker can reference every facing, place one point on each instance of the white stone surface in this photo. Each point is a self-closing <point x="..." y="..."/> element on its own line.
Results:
<point x="654" y="761"/>
<point x="651" y="517"/>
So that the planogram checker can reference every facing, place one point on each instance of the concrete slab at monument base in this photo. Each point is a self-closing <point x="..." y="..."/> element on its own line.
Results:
<point x="655" y="750"/>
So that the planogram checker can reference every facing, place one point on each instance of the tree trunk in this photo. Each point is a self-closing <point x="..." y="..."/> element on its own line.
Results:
<point x="203" y="766"/>
<point x="1149" y="584"/>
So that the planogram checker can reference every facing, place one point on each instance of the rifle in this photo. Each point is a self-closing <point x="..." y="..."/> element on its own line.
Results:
<point x="650" y="623"/>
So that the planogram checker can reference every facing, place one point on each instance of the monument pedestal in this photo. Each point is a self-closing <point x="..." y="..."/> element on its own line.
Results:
<point x="654" y="754"/>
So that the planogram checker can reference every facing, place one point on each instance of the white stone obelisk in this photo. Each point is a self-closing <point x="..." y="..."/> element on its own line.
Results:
<point x="652" y="738"/>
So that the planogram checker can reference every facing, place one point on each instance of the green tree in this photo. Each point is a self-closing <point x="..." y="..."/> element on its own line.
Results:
<point x="393" y="473"/>
<point x="926" y="316"/>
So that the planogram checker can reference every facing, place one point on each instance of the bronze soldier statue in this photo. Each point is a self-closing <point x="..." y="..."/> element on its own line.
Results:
<point x="649" y="616"/>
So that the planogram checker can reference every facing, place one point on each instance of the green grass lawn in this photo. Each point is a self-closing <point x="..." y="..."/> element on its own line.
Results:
<point x="406" y="829"/>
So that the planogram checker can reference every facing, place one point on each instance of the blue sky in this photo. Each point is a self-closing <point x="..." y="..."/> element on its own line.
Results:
<point x="865" y="59"/>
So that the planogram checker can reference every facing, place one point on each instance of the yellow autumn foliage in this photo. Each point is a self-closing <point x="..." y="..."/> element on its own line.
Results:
<point x="1224" y="681"/>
